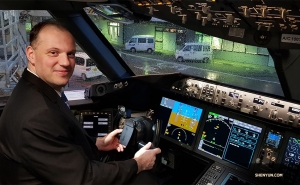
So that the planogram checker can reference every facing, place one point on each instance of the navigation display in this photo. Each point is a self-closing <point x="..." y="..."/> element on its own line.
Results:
<point x="291" y="161"/>
<point x="179" y="121"/>
<point x="229" y="139"/>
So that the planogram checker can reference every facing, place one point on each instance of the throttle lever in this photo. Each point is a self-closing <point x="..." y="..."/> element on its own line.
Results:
<point x="141" y="144"/>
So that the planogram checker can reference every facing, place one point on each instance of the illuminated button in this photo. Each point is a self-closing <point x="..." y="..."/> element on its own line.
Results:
<point x="280" y="120"/>
<point x="291" y="117"/>
<point x="189" y="83"/>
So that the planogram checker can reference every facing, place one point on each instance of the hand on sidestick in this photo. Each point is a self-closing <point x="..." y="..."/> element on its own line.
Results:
<point x="146" y="157"/>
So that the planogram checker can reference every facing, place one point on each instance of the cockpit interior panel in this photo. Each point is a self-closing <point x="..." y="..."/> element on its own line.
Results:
<point x="243" y="137"/>
<point x="209" y="132"/>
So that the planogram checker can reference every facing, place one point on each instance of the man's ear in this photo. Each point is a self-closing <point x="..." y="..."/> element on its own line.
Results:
<point x="30" y="55"/>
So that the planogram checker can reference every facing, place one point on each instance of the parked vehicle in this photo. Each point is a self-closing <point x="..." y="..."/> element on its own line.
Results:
<point x="85" y="67"/>
<point x="194" y="51"/>
<point x="141" y="43"/>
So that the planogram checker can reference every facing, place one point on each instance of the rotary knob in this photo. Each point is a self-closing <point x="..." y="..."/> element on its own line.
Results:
<point x="291" y="117"/>
<point x="273" y="114"/>
<point x="189" y="83"/>
<point x="256" y="107"/>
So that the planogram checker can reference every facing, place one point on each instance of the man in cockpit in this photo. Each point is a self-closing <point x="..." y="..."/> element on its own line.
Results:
<point x="41" y="142"/>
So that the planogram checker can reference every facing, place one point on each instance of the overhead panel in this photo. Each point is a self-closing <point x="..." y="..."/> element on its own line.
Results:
<point x="256" y="22"/>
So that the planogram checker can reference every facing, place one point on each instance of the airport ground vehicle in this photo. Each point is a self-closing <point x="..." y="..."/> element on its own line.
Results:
<point x="141" y="43"/>
<point x="194" y="51"/>
<point x="230" y="129"/>
<point x="85" y="67"/>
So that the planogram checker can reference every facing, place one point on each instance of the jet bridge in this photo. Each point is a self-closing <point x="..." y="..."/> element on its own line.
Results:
<point x="12" y="49"/>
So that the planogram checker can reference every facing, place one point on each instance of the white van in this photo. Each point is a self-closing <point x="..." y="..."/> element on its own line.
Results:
<point x="141" y="43"/>
<point x="194" y="51"/>
<point x="85" y="67"/>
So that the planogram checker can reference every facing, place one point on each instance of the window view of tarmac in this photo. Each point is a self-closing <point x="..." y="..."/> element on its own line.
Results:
<point x="158" y="47"/>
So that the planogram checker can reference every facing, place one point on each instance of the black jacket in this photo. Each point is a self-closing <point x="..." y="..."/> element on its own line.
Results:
<point x="41" y="142"/>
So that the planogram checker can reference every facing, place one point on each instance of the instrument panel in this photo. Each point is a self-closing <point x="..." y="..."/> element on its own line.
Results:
<point x="243" y="149"/>
<point x="252" y="138"/>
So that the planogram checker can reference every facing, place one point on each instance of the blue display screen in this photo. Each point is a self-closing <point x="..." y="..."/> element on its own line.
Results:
<point x="273" y="139"/>
<point x="180" y="121"/>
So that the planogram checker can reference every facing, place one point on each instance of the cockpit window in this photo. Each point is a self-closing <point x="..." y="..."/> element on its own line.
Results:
<point x="212" y="58"/>
<point x="158" y="49"/>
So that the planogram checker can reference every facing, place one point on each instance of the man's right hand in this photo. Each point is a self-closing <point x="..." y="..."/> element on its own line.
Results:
<point x="146" y="157"/>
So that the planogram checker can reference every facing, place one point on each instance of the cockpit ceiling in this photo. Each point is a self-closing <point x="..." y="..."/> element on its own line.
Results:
<point x="263" y="20"/>
<point x="264" y="23"/>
